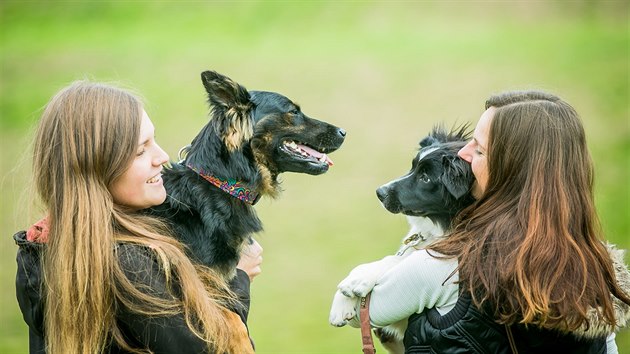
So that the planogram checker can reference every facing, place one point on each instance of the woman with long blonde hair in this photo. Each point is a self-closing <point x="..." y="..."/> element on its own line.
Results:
<point x="96" y="275"/>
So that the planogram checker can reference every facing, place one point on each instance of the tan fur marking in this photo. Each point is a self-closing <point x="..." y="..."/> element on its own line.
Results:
<point x="241" y="342"/>
<point x="241" y="129"/>
<point x="269" y="187"/>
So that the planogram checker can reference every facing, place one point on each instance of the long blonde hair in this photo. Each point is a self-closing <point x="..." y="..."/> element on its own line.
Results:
<point x="86" y="138"/>
<point x="531" y="246"/>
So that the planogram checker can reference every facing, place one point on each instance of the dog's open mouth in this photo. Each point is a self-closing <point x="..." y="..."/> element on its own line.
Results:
<point x="305" y="152"/>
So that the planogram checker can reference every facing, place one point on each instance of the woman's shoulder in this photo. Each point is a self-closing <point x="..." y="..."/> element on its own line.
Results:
<point x="28" y="282"/>
<point x="22" y="241"/>
<point x="130" y="251"/>
<point x="28" y="254"/>
<point x="20" y="238"/>
<point x="622" y="311"/>
<point x="134" y="257"/>
<point x="139" y="262"/>
<point x="621" y="269"/>
<point x="141" y="267"/>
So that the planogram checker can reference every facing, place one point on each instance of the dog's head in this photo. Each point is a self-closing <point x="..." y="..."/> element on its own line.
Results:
<point x="439" y="181"/>
<point x="287" y="140"/>
<point x="265" y="127"/>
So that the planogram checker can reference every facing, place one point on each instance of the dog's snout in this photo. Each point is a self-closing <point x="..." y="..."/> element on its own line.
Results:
<point x="381" y="193"/>
<point x="341" y="132"/>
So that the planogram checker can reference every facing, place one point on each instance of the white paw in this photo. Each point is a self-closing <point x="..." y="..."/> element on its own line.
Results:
<point x="361" y="279"/>
<point x="343" y="309"/>
<point x="357" y="286"/>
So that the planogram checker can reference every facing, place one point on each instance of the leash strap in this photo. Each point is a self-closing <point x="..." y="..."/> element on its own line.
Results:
<point x="366" y="329"/>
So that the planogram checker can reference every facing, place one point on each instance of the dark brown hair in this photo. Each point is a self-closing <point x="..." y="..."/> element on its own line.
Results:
<point x="531" y="247"/>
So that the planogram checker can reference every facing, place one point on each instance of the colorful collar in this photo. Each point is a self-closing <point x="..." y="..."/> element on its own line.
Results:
<point x="230" y="186"/>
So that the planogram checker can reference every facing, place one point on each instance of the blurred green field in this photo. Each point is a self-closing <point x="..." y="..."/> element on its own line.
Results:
<point x="384" y="71"/>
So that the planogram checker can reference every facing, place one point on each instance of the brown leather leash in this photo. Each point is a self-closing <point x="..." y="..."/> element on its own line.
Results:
<point x="366" y="329"/>
<point x="364" y="310"/>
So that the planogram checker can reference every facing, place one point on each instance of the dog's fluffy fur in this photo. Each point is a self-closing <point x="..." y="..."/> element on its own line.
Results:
<point x="252" y="137"/>
<point x="436" y="188"/>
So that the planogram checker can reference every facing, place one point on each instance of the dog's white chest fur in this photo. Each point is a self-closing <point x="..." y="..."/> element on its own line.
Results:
<point x="424" y="226"/>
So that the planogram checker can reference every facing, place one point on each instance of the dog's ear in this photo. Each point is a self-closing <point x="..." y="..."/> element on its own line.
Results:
<point x="427" y="141"/>
<point x="457" y="176"/>
<point x="231" y="109"/>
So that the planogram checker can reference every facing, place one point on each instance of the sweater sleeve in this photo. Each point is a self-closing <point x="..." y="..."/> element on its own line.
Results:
<point x="416" y="283"/>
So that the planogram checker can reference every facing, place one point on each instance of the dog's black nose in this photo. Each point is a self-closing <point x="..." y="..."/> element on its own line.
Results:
<point x="341" y="132"/>
<point x="381" y="193"/>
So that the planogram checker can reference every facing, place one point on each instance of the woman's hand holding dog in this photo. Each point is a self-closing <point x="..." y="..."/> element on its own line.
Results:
<point x="251" y="259"/>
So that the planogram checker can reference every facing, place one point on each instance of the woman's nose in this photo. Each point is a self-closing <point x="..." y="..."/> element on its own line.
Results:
<point x="464" y="153"/>
<point x="161" y="156"/>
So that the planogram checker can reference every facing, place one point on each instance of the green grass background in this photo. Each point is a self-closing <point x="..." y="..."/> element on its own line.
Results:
<point x="384" y="71"/>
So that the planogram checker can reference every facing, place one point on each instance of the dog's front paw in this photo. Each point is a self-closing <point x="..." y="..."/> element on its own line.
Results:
<point x="354" y="286"/>
<point x="361" y="280"/>
<point x="343" y="309"/>
<point x="364" y="277"/>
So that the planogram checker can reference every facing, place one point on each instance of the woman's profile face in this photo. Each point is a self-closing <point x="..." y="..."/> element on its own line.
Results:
<point x="141" y="187"/>
<point x="475" y="152"/>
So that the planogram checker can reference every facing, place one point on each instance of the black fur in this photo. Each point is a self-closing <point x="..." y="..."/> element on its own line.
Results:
<point x="244" y="140"/>
<point x="438" y="184"/>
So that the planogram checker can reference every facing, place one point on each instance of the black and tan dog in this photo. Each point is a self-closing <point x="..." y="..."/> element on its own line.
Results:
<point x="251" y="138"/>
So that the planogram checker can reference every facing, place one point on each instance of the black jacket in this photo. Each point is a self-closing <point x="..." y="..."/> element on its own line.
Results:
<point x="466" y="329"/>
<point x="160" y="334"/>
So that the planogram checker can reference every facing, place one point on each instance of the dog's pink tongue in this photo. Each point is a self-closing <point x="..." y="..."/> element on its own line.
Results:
<point x="316" y="154"/>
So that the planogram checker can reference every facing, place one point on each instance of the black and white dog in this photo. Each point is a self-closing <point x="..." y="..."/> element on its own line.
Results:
<point x="435" y="189"/>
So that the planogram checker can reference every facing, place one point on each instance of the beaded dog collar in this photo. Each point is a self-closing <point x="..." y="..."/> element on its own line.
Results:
<point x="230" y="186"/>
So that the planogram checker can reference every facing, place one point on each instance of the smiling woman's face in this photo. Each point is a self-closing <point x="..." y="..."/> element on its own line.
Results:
<point x="475" y="152"/>
<point x="140" y="187"/>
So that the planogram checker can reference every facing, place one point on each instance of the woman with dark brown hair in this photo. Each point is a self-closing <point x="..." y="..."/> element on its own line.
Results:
<point x="530" y="250"/>
<point x="526" y="268"/>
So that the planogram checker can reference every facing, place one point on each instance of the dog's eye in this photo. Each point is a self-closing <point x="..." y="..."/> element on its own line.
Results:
<point x="424" y="178"/>
<point x="294" y="111"/>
